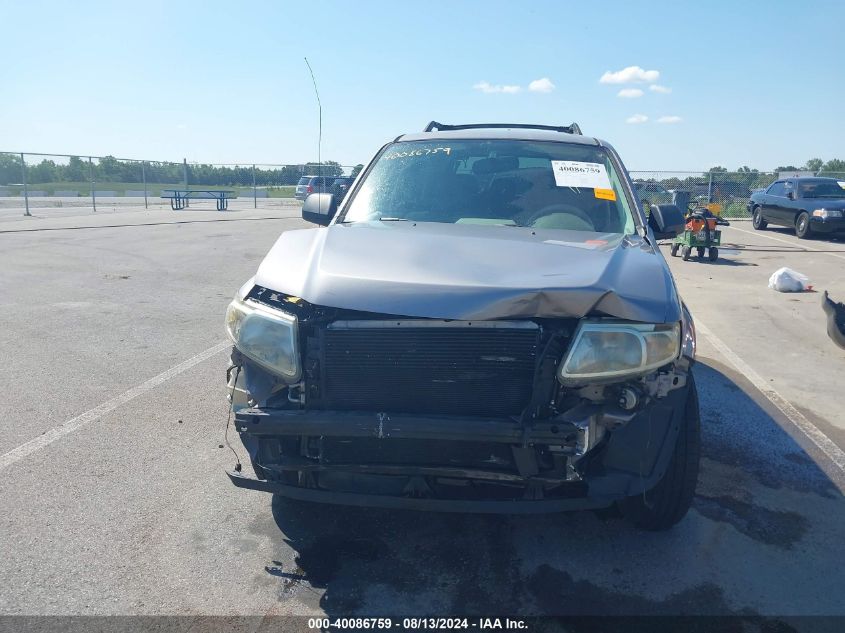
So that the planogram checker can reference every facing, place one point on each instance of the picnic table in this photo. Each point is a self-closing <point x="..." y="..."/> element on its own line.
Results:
<point x="179" y="197"/>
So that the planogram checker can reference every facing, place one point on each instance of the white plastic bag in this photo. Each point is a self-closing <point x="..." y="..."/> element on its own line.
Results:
<point x="788" y="280"/>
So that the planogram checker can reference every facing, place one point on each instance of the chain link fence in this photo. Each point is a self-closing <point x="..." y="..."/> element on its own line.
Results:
<point x="32" y="181"/>
<point x="723" y="192"/>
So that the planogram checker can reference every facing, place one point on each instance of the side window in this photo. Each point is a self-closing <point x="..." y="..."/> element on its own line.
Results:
<point x="777" y="189"/>
<point x="788" y="186"/>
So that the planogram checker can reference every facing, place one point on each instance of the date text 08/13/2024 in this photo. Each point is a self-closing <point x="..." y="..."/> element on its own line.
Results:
<point x="421" y="623"/>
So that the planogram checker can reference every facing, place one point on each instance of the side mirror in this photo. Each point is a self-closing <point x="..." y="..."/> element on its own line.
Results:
<point x="790" y="195"/>
<point x="666" y="221"/>
<point x="319" y="208"/>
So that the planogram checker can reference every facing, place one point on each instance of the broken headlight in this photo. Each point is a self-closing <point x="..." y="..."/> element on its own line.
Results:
<point x="602" y="351"/>
<point x="266" y="336"/>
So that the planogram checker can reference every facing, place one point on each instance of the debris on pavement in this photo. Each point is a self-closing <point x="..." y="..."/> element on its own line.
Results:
<point x="835" y="319"/>
<point x="788" y="280"/>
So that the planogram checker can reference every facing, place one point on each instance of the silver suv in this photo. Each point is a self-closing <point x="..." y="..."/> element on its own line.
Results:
<point x="485" y="325"/>
<point x="312" y="184"/>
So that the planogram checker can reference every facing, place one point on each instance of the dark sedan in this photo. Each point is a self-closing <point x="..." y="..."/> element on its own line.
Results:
<point x="810" y="205"/>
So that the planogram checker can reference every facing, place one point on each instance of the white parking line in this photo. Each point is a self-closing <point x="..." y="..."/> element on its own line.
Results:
<point x="778" y="239"/>
<point x="57" y="432"/>
<point x="822" y="441"/>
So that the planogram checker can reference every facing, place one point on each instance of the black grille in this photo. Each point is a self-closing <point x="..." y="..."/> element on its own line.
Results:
<point x="442" y="370"/>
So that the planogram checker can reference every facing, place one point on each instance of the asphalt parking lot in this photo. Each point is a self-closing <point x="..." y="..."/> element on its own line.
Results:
<point x="115" y="500"/>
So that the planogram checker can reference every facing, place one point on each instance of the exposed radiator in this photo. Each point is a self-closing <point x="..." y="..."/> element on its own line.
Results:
<point x="480" y="369"/>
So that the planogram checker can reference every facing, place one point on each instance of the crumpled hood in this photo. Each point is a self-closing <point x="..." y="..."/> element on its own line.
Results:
<point x="472" y="272"/>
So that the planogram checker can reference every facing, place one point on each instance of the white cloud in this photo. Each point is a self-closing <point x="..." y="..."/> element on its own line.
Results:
<point x="630" y="93"/>
<point x="630" y="75"/>
<point x="541" y="85"/>
<point x="661" y="89"/>
<point x="669" y="119"/>
<point x="637" y="118"/>
<point x="488" y="88"/>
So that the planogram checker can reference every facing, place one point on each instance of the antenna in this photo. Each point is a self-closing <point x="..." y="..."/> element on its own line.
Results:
<point x="320" y="129"/>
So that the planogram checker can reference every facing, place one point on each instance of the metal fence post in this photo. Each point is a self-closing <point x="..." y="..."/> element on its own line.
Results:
<point x="25" y="188"/>
<point x="144" y="178"/>
<point x="93" y="190"/>
<point x="710" y="188"/>
<point x="185" y="176"/>
<point x="254" y="190"/>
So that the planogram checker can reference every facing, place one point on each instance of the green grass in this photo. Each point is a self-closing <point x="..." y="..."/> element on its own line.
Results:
<point x="286" y="191"/>
<point x="736" y="210"/>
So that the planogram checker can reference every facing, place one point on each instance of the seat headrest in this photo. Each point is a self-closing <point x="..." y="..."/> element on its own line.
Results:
<point x="495" y="165"/>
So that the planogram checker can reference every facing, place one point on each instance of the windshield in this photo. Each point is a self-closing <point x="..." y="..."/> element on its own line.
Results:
<point x="514" y="183"/>
<point x="822" y="189"/>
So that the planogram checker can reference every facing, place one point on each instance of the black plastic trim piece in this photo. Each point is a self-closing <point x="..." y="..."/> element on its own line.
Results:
<point x="528" y="506"/>
<point x="572" y="128"/>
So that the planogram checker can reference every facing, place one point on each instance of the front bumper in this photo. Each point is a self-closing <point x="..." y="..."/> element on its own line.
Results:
<point x="827" y="225"/>
<point x="627" y="461"/>
<point x="466" y="506"/>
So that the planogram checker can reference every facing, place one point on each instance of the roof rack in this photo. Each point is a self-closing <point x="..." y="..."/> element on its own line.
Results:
<point x="572" y="128"/>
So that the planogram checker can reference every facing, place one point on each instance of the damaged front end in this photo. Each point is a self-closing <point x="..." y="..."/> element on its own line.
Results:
<point x="511" y="416"/>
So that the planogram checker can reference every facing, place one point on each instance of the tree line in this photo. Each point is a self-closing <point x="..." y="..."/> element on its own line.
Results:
<point x="743" y="180"/>
<point x="110" y="169"/>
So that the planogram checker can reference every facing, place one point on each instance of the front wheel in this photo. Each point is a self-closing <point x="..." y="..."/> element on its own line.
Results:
<point x="664" y="505"/>
<point x="674" y="250"/>
<point x="802" y="225"/>
<point x="713" y="253"/>
<point x="685" y="253"/>
<point x="757" y="220"/>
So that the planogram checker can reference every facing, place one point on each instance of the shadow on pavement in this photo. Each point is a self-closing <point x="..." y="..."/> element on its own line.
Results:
<point x="763" y="510"/>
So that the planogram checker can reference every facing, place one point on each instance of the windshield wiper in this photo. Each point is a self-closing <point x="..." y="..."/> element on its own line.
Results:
<point x="375" y="220"/>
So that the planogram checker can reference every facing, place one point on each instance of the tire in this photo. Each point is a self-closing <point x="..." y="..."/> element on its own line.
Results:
<point x="802" y="226"/>
<point x="674" y="250"/>
<point x="700" y="252"/>
<point x="668" y="502"/>
<point x="713" y="254"/>
<point x="685" y="253"/>
<point x="757" y="220"/>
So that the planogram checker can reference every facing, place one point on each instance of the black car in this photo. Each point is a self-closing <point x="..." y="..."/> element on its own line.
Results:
<point x="810" y="205"/>
<point x="650" y="192"/>
<point x="486" y="324"/>
<point x="340" y="186"/>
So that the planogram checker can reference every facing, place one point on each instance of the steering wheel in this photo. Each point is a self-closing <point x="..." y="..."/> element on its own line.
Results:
<point x="560" y="208"/>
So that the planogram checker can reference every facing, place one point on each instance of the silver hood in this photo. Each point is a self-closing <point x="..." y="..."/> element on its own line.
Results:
<point x="472" y="272"/>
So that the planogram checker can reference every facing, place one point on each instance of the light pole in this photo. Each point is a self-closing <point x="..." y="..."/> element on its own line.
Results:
<point x="320" y="128"/>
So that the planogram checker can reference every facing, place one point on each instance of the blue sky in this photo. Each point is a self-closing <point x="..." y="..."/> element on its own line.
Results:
<point x="752" y="83"/>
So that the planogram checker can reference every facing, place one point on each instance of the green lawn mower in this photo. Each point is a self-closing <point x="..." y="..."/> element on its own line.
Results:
<point x="700" y="233"/>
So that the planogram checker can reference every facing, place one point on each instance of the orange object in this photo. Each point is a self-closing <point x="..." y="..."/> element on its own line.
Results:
<point x="696" y="224"/>
<point x="605" y="194"/>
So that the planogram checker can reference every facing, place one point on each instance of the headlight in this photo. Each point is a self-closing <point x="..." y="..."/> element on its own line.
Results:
<point x="827" y="213"/>
<point x="601" y="351"/>
<point x="267" y="336"/>
<point x="689" y="343"/>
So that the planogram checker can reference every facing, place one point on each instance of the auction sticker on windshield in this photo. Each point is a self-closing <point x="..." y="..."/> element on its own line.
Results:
<point x="573" y="173"/>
